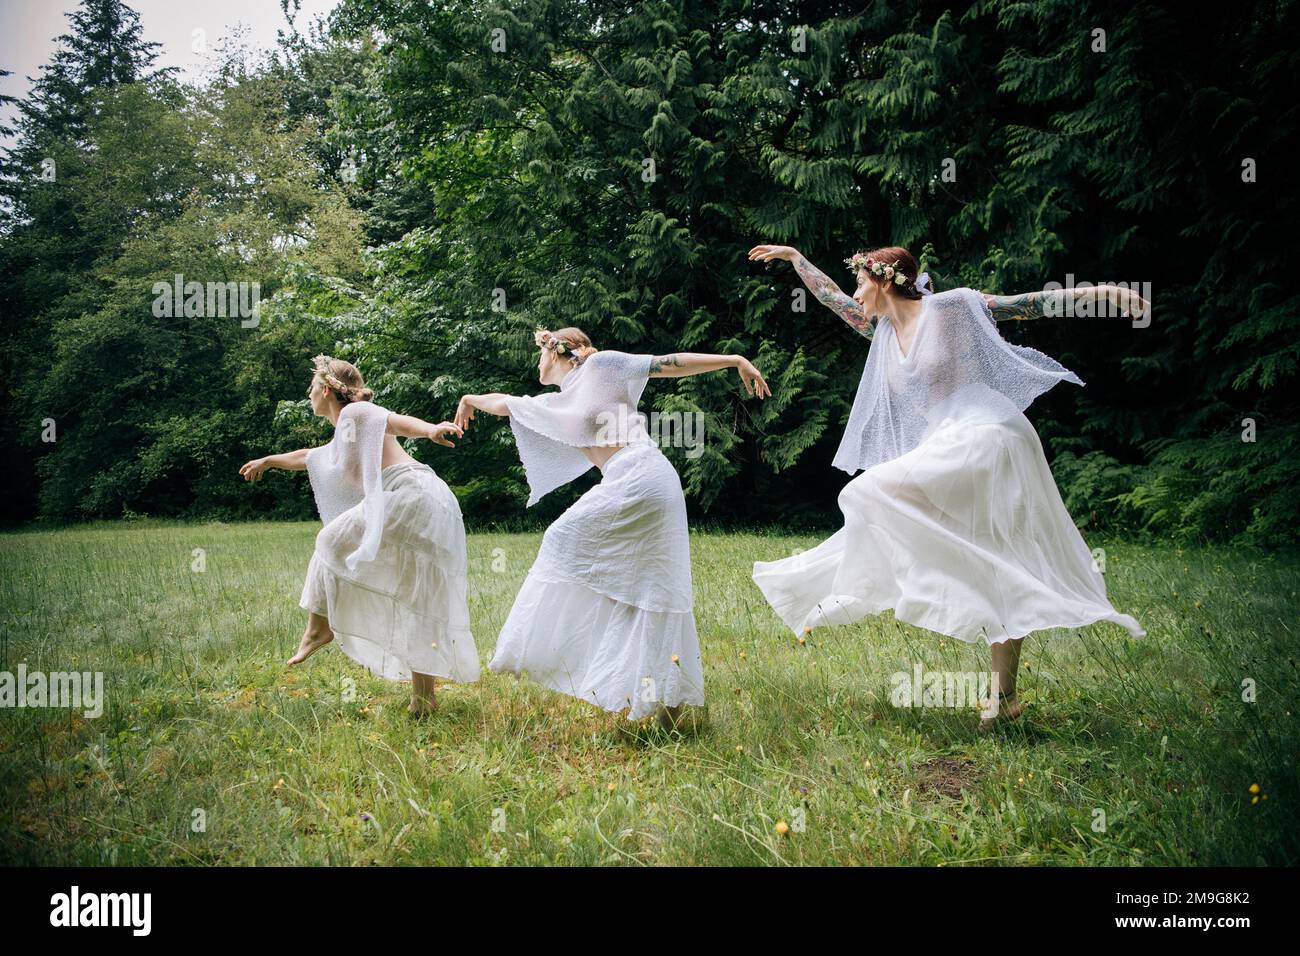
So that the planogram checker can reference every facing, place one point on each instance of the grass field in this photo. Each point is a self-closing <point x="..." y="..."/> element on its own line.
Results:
<point x="210" y="752"/>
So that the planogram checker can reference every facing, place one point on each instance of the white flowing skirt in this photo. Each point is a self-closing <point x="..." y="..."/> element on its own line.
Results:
<point x="965" y="535"/>
<point x="404" y="612"/>
<point x="605" y="613"/>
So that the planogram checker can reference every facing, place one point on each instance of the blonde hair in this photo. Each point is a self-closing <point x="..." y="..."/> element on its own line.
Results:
<point x="342" y="378"/>
<point x="570" y="343"/>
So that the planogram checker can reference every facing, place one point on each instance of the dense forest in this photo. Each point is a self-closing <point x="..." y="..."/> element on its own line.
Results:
<point x="415" y="187"/>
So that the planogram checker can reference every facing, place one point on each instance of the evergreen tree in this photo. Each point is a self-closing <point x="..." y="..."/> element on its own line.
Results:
<point x="51" y="236"/>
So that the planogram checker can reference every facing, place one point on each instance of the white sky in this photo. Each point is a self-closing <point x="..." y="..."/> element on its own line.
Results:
<point x="28" y="29"/>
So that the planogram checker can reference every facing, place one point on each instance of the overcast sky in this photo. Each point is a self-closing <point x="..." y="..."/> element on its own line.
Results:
<point x="28" y="29"/>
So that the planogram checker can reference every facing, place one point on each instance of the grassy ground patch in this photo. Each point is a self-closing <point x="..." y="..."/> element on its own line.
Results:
<point x="210" y="751"/>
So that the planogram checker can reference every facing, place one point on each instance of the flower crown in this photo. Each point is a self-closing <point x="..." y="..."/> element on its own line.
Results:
<point x="892" y="271"/>
<point x="320" y="364"/>
<point x="548" y="340"/>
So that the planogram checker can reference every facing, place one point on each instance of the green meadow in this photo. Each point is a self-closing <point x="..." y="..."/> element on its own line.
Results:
<point x="1178" y="749"/>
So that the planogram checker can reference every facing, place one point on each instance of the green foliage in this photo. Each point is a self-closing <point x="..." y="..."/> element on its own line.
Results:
<point x="557" y="162"/>
<point x="154" y="411"/>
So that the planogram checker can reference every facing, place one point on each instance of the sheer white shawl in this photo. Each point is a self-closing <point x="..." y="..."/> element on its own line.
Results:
<point x="595" y="406"/>
<point x="957" y="361"/>
<point x="347" y="471"/>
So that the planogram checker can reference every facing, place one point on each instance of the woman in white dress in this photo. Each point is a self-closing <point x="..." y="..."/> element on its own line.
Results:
<point x="388" y="576"/>
<point x="955" y="522"/>
<point x="606" y="612"/>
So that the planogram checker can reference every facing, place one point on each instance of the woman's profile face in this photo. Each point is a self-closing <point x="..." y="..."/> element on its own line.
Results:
<point x="867" y="294"/>
<point x="551" y="368"/>
<point x="319" y="396"/>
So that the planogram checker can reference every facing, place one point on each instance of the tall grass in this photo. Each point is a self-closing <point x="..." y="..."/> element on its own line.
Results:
<point x="210" y="751"/>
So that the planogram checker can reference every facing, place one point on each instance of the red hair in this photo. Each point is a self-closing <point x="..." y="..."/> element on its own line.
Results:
<point x="902" y="261"/>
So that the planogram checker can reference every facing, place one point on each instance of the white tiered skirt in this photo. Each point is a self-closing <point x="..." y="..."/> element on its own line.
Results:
<point x="965" y="535"/>
<point x="404" y="612"/>
<point x="605" y="613"/>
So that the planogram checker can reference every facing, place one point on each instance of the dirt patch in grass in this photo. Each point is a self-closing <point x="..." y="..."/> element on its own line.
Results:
<point x="947" y="776"/>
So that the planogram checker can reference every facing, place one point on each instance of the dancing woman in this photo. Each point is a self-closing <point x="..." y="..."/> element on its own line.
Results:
<point x="606" y="612"/>
<point x="955" y="523"/>
<point x="388" y="576"/>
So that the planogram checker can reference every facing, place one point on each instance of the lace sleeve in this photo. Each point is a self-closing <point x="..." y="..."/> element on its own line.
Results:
<point x="361" y="426"/>
<point x="625" y="365"/>
<point x="596" y="406"/>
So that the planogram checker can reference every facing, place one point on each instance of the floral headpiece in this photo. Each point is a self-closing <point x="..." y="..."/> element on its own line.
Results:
<point x="891" y="271"/>
<point x="320" y="364"/>
<point x="887" y="270"/>
<point x="548" y="340"/>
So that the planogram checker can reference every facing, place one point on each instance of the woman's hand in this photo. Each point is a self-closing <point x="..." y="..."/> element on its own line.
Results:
<point x="768" y="253"/>
<point x="438" y="433"/>
<point x="1129" y="303"/>
<point x="753" y="379"/>
<point x="465" y="412"/>
<point x="255" y="469"/>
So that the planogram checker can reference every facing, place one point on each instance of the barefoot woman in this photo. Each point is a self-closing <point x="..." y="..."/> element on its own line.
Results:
<point x="606" y="611"/>
<point x="955" y="522"/>
<point x="388" y="574"/>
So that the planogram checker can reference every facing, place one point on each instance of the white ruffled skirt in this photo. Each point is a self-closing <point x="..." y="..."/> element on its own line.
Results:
<point x="605" y="613"/>
<point x="965" y="535"/>
<point x="404" y="612"/>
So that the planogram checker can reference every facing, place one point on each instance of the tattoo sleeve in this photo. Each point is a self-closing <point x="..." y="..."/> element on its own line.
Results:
<point x="1014" y="308"/>
<point x="1042" y="304"/>
<point x="660" y="362"/>
<point x="830" y="295"/>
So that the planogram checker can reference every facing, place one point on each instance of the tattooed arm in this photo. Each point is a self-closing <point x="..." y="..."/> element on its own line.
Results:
<point x="823" y="287"/>
<point x="681" y="364"/>
<point x="1058" y="302"/>
<point x="830" y="295"/>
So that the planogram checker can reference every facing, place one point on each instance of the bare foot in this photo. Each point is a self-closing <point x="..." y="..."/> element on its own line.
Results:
<point x="312" y="641"/>
<point x="1008" y="709"/>
<point x="422" y="706"/>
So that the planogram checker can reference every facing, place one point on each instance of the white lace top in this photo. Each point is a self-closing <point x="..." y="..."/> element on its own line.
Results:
<point x="347" y="471"/>
<point x="957" y="360"/>
<point x="595" y="406"/>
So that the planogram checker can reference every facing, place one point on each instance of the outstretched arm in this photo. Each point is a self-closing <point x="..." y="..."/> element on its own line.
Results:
<point x="1058" y="302"/>
<point x="682" y="364"/>
<point x="494" y="403"/>
<point x="828" y="293"/>
<point x="408" y="426"/>
<point x="289" y="461"/>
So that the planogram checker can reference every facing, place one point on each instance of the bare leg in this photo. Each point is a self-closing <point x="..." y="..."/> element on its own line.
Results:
<point x="422" y="699"/>
<point x="316" y="636"/>
<point x="1006" y="666"/>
